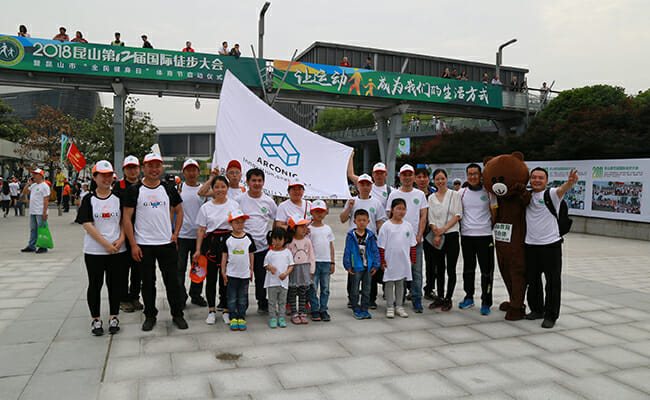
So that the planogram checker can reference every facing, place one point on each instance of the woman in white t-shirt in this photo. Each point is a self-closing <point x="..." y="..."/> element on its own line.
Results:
<point x="213" y="229"/>
<point x="104" y="248"/>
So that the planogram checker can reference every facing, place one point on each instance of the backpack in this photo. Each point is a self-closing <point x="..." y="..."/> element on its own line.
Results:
<point x="563" y="221"/>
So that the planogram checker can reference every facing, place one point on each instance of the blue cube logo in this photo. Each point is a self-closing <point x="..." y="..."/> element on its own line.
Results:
<point x="279" y="145"/>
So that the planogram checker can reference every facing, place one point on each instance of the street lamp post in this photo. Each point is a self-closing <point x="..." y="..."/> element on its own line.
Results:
<point x="499" y="55"/>
<point x="260" y="29"/>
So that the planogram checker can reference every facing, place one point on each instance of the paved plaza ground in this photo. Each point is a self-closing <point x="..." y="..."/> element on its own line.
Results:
<point x="599" y="348"/>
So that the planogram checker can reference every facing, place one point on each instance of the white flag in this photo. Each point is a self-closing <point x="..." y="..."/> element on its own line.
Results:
<point x="257" y="136"/>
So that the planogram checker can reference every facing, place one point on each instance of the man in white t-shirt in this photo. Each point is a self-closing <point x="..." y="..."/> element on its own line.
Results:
<point x="479" y="215"/>
<point x="39" y="196"/>
<point x="261" y="210"/>
<point x="192" y="202"/>
<point x="154" y="204"/>
<point x="294" y="205"/>
<point x="416" y="214"/>
<point x="380" y="189"/>
<point x="232" y="174"/>
<point x="544" y="248"/>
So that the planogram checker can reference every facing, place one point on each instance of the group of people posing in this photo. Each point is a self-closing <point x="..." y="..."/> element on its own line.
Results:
<point x="238" y="235"/>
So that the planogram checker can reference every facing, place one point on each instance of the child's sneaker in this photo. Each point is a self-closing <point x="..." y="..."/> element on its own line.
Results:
<point x="357" y="314"/>
<point x="212" y="318"/>
<point x="96" y="327"/>
<point x="295" y="319"/>
<point x="303" y="319"/>
<point x="366" y="315"/>
<point x="315" y="316"/>
<point x="273" y="323"/>
<point x="390" y="312"/>
<point x="282" y="323"/>
<point x="242" y="324"/>
<point x="234" y="325"/>
<point x="401" y="312"/>
<point x="325" y="316"/>
<point x="467" y="303"/>
<point x="226" y="318"/>
<point x="113" y="325"/>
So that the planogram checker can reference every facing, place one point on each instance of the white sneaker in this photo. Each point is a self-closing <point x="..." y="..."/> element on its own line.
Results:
<point x="402" y="312"/>
<point x="390" y="312"/>
<point x="226" y="318"/>
<point x="212" y="318"/>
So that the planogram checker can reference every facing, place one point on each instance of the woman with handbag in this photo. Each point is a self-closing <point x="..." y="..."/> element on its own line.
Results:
<point x="445" y="210"/>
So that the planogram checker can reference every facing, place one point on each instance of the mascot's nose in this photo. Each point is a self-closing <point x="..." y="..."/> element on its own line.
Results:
<point x="500" y="189"/>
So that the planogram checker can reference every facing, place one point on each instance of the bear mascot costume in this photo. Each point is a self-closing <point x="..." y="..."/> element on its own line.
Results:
<point x="506" y="176"/>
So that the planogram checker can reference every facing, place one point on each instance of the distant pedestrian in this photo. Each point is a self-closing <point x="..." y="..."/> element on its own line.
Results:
<point x="22" y="31"/>
<point x="62" y="36"/>
<point x="224" y="51"/>
<point x="235" y="51"/>
<point x="117" y="41"/>
<point x="79" y="38"/>
<point x="38" y="202"/>
<point x="188" y="47"/>
<point x="146" y="44"/>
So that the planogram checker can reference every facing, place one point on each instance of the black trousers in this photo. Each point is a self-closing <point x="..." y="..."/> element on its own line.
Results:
<point x="59" y="194"/>
<point x="213" y="276"/>
<point x="445" y="260"/>
<point x="131" y="269"/>
<point x="167" y="257"/>
<point x="260" y="275"/>
<point x="430" y="271"/>
<point x="481" y="248"/>
<point x="186" y="248"/>
<point x="66" y="203"/>
<point x="375" y="280"/>
<point x="547" y="260"/>
<point x="98" y="266"/>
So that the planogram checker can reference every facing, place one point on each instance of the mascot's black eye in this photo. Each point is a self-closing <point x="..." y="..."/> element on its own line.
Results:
<point x="502" y="179"/>
<point x="494" y="180"/>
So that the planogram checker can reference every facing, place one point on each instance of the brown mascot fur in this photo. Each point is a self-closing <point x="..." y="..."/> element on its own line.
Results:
<point x="506" y="176"/>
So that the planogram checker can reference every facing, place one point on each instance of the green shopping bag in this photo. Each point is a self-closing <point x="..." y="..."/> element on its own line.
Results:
<point x="44" y="237"/>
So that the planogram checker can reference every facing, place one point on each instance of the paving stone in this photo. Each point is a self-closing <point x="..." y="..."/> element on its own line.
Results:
<point x="121" y="347"/>
<point x="631" y="313"/>
<point x="414" y="339"/>
<point x="10" y="313"/>
<point x="498" y="330"/>
<point x="379" y="324"/>
<point x="602" y="387"/>
<point x="478" y="378"/>
<point x="425" y="386"/>
<point x="20" y="359"/>
<point x="317" y="350"/>
<point x="257" y="356"/>
<point x="126" y="368"/>
<point x="489" y="396"/>
<point x="547" y="391"/>
<point x="308" y="373"/>
<point x="69" y="385"/>
<point x="413" y="361"/>
<point x="30" y="331"/>
<point x="576" y="363"/>
<point x="642" y="348"/>
<point x="605" y="317"/>
<point x="372" y="389"/>
<point x="638" y="378"/>
<point x="617" y="356"/>
<point x="176" y="387"/>
<point x="554" y="342"/>
<point x="529" y="370"/>
<point x="123" y="390"/>
<point x="459" y="334"/>
<point x="467" y="353"/>
<point x="169" y="344"/>
<point x="574" y="321"/>
<point x="454" y="318"/>
<point x="365" y="367"/>
<point x="626" y="332"/>
<point x="367" y="344"/>
<point x="293" y="394"/>
<point x="591" y="337"/>
<point x="243" y="381"/>
<point x="187" y="363"/>
<point x="11" y="387"/>
<point x="74" y="354"/>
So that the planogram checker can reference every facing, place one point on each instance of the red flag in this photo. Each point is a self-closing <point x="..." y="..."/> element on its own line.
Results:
<point x="76" y="158"/>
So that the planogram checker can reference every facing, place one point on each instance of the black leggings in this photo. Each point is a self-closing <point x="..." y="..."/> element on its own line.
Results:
<point x="481" y="248"/>
<point x="449" y="253"/>
<point x="96" y="266"/>
<point x="214" y="274"/>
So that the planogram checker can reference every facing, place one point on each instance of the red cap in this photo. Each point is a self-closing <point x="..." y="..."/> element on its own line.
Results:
<point x="235" y="164"/>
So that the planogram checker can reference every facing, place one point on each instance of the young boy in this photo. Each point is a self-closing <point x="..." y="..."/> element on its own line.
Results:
<point x="322" y="239"/>
<point x="361" y="260"/>
<point x="377" y="215"/>
<point x="237" y="269"/>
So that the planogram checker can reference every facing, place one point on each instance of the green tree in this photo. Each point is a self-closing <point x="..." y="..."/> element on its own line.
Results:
<point x="336" y="119"/>
<point x="95" y="140"/>
<point x="10" y="128"/>
<point x="582" y="99"/>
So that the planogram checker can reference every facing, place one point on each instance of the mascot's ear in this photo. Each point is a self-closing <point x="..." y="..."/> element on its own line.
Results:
<point x="486" y="159"/>
<point x="519" y="155"/>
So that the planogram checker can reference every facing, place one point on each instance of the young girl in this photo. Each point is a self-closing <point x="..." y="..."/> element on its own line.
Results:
<point x="305" y="265"/>
<point x="278" y="263"/>
<point x="397" y="252"/>
<point x="210" y="236"/>
<point x="104" y="248"/>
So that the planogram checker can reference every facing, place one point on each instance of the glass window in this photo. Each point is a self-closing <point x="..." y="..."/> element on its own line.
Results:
<point x="200" y="145"/>
<point x="173" y="145"/>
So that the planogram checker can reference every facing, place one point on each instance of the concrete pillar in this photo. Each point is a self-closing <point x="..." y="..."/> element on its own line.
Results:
<point x="388" y="137"/>
<point x="366" y="158"/>
<point x="118" y="127"/>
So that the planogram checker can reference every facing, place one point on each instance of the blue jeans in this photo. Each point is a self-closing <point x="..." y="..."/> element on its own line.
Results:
<point x="237" y="296"/>
<point x="34" y="222"/>
<point x="416" y="271"/>
<point x="321" y="278"/>
<point x="360" y="278"/>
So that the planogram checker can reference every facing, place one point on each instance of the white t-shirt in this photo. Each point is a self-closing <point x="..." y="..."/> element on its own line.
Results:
<point x="234" y="193"/>
<point x="415" y="201"/>
<point x="397" y="240"/>
<point x="375" y="209"/>
<point x="281" y="260"/>
<point x="381" y="193"/>
<point x="152" y="225"/>
<point x="105" y="214"/>
<point x="441" y="212"/>
<point x="192" y="202"/>
<point x="321" y="237"/>
<point x="215" y="216"/>
<point x="287" y="209"/>
<point x="541" y="225"/>
<point x="37" y="194"/>
<point x="261" y="211"/>
<point x="14" y="188"/>
<point x="477" y="219"/>
<point x="239" y="251"/>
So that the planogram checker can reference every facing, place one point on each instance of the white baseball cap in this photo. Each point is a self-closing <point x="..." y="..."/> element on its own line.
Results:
<point x="379" y="167"/>
<point x="189" y="162"/>
<point x="38" y="171"/>
<point x="318" y="205"/>
<point x="295" y="181"/>
<point x="152" y="157"/>
<point x="237" y="214"/>
<point x="406" y="168"/>
<point x="297" y="220"/>
<point x="103" y="167"/>
<point x="131" y="160"/>
<point x="365" y="177"/>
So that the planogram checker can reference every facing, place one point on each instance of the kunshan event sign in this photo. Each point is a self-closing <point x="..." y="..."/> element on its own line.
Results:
<point x="363" y="82"/>
<point x="44" y="55"/>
